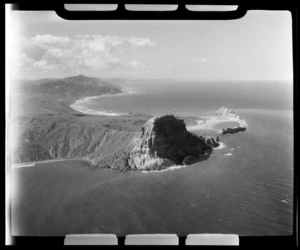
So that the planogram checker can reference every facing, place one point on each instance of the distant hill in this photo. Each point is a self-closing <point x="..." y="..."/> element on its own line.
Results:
<point x="69" y="88"/>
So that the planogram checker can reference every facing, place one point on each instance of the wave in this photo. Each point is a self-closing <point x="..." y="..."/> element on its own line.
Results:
<point x="163" y="170"/>
<point x="15" y="166"/>
<point x="222" y="145"/>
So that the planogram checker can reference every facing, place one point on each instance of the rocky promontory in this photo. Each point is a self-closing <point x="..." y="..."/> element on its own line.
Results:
<point x="163" y="142"/>
<point x="232" y="116"/>
<point x="48" y="129"/>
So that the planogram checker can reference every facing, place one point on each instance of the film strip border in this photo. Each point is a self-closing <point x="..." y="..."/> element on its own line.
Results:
<point x="156" y="240"/>
<point x="181" y="13"/>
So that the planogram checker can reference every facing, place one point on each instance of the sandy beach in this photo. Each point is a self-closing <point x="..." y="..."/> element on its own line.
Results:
<point x="80" y="104"/>
<point x="212" y="122"/>
<point x="32" y="164"/>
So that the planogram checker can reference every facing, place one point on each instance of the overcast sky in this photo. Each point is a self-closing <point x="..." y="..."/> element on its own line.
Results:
<point x="255" y="47"/>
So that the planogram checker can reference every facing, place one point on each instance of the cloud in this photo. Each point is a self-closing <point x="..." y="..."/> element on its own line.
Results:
<point x="201" y="60"/>
<point x="25" y="60"/>
<point x="222" y="63"/>
<point x="46" y="41"/>
<point x="136" y="65"/>
<point x="83" y="51"/>
<point x="54" y="52"/>
<point x="139" y="42"/>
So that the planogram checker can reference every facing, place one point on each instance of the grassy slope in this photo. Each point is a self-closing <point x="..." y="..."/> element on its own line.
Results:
<point x="49" y="129"/>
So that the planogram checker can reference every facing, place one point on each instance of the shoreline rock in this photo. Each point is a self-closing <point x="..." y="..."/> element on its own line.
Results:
<point x="223" y="111"/>
<point x="232" y="130"/>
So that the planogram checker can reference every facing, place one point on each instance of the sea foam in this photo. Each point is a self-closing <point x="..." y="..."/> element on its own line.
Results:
<point x="222" y="145"/>
<point x="163" y="170"/>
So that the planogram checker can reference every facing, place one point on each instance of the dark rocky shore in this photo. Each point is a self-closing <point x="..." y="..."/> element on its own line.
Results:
<point x="163" y="142"/>
<point x="232" y="130"/>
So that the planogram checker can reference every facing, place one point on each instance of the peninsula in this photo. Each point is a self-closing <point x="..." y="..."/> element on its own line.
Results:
<point x="223" y="117"/>
<point x="48" y="128"/>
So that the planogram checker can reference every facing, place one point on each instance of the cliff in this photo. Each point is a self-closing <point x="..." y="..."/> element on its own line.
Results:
<point x="163" y="142"/>
<point x="49" y="129"/>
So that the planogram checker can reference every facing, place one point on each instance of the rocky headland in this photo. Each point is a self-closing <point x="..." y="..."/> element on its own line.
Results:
<point x="48" y="128"/>
<point x="232" y="116"/>
<point x="163" y="142"/>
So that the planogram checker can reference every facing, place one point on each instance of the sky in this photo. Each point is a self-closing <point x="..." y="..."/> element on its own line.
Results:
<point x="255" y="47"/>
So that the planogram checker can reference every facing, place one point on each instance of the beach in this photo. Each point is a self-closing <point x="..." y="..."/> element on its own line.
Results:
<point x="80" y="105"/>
<point x="208" y="122"/>
<point x="215" y="122"/>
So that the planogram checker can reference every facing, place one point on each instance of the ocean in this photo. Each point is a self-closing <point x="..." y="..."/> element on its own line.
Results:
<point x="245" y="187"/>
<point x="192" y="98"/>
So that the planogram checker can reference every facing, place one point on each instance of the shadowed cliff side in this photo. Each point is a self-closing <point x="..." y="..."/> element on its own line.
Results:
<point x="163" y="142"/>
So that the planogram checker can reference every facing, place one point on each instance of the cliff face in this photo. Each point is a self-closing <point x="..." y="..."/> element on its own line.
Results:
<point x="164" y="141"/>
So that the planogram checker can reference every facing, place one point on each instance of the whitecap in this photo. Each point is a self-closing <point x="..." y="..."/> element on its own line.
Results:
<point x="163" y="170"/>
<point x="222" y="145"/>
<point x="22" y="165"/>
<point x="228" y="154"/>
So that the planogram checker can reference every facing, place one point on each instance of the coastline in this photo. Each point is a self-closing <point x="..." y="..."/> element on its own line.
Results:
<point x="204" y="123"/>
<point x="79" y="106"/>
<point x="32" y="164"/>
<point x="207" y="122"/>
<point x="210" y="122"/>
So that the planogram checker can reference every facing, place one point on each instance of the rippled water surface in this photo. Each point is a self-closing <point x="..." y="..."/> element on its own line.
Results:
<point x="245" y="187"/>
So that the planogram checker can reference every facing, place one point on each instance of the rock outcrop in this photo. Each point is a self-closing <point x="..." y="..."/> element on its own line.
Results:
<point x="232" y="116"/>
<point x="165" y="142"/>
<point x="232" y="130"/>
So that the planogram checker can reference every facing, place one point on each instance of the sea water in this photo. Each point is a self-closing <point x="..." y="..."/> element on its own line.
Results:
<point x="245" y="187"/>
<point x="194" y="98"/>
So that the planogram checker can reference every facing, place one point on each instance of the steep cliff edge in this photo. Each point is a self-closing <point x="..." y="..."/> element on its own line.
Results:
<point x="163" y="142"/>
